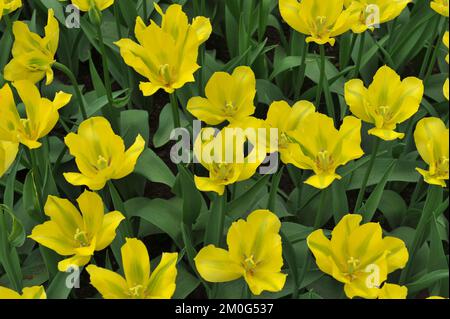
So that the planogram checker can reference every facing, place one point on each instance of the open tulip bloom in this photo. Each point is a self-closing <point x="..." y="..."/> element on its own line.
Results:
<point x="441" y="7"/>
<point x="358" y="256"/>
<point x="100" y="154"/>
<point x="166" y="55"/>
<point x="139" y="281"/>
<point x="254" y="253"/>
<point x="33" y="56"/>
<point x="75" y="234"/>
<point x="387" y="102"/>
<point x="432" y="140"/>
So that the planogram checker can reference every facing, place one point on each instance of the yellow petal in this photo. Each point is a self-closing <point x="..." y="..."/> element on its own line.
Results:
<point x="322" y="181"/>
<point x="387" y="135"/>
<point x="215" y="265"/>
<point x="72" y="262"/>
<point x="36" y="292"/>
<point x="91" y="206"/>
<point x="136" y="262"/>
<point x="203" y="110"/>
<point x="131" y="157"/>
<point x="265" y="281"/>
<point x="6" y="293"/>
<point x="320" y="247"/>
<point x="397" y="256"/>
<point x="109" y="284"/>
<point x="162" y="280"/>
<point x="391" y="291"/>
<point x="94" y="183"/>
<point x="206" y="184"/>
<point x="64" y="214"/>
<point x="50" y="235"/>
<point x="355" y="97"/>
<point x="107" y="232"/>
<point x="8" y="153"/>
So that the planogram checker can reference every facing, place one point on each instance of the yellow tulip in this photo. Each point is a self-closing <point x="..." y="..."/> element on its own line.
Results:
<point x="139" y="281"/>
<point x="432" y="139"/>
<point x="322" y="148"/>
<point x="86" y="5"/>
<point x="391" y="291"/>
<point x="440" y="6"/>
<point x="387" y="102"/>
<point x="8" y="152"/>
<point x="100" y="154"/>
<point x="75" y="234"/>
<point x="223" y="156"/>
<point x="36" y="292"/>
<point x="42" y="114"/>
<point x="288" y="119"/>
<point x="357" y="255"/>
<point x="374" y="12"/>
<point x="436" y="297"/>
<point x="229" y="97"/>
<point x="166" y="55"/>
<point x="33" y="56"/>
<point x="254" y="253"/>
<point x="445" y="89"/>
<point x="8" y="6"/>
<point x="321" y="20"/>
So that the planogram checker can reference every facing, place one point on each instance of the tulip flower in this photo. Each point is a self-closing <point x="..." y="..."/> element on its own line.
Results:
<point x="375" y="12"/>
<point x="432" y="140"/>
<point x="75" y="234"/>
<point x="321" y="20"/>
<point x="36" y="292"/>
<point x="229" y="97"/>
<point x="139" y="281"/>
<point x="8" y="6"/>
<point x="391" y="291"/>
<point x="86" y="5"/>
<point x="387" y="102"/>
<point x="42" y="114"/>
<point x="8" y="152"/>
<point x="166" y="55"/>
<point x="288" y="119"/>
<point x="325" y="148"/>
<point x="33" y="56"/>
<point x="357" y="255"/>
<point x="100" y="154"/>
<point x="254" y="253"/>
<point x="223" y="156"/>
<point x="441" y="7"/>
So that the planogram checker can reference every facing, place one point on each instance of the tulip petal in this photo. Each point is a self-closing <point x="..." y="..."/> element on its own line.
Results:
<point x="215" y="265"/>
<point x="320" y="247"/>
<point x="136" y="262"/>
<point x="131" y="158"/>
<point x="391" y="291"/>
<point x="265" y="281"/>
<point x="162" y="280"/>
<point x="49" y="235"/>
<point x="203" y="110"/>
<point x="75" y="261"/>
<point x="6" y="293"/>
<point x="97" y="183"/>
<point x="36" y="292"/>
<point x="8" y="153"/>
<point x="64" y="214"/>
<point x="108" y="283"/>
<point x="397" y="256"/>
<point x="107" y="232"/>
<point x="205" y="184"/>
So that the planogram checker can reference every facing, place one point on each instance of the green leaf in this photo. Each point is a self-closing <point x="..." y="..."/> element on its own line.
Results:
<point x="427" y="280"/>
<point x="153" y="168"/>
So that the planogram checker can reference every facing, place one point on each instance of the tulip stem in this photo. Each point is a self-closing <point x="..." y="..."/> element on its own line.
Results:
<point x="301" y="75"/>
<point x="320" y="211"/>
<point x="362" y="191"/>
<point x="435" y="51"/>
<point x="36" y="181"/>
<point x="118" y="205"/>
<point x="360" y="54"/>
<point x="274" y="190"/>
<point x="71" y="76"/>
<point x="144" y="5"/>
<point x="9" y="28"/>
<point x="322" y="75"/>
<point x="426" y="58"/>
<point x="434" y="199"/>
<point x="111" y="112"/>
<point x="175" y="111"/>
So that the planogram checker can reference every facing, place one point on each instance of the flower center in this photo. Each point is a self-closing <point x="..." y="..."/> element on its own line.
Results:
<point x="136" y="291"/>
<point x="230" y="108"/>
<point x="223" y="171"/>
<point x="324" y="161"/>
<point x="81" y="237"/>
<point x="164" y="73"/>
<point x="319" y="26"/>
<point x="249" y="265"/>
<point x="353" y="264"/>
<point x="102" y="162"/>
<point x="385" y="112"/>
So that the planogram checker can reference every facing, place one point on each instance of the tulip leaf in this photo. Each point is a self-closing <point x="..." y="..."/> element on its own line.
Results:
<point x="427" y="280"/>
<point x="153" y="168"/>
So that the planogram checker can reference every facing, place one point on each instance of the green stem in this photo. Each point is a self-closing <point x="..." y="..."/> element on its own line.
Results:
<point x="302" y="70"/>
<point x="349" y="53"/>
<point x="434" y="199"/>
<point x="362" y="191"/>
<point x="119" y="205"/>
<point x="360" y="54"/>
<point x="435" y="52"/>
<point x="144" y="4"/>
<point x="322" y="75"/>
<point x="36" y="180"/>
<point x="8" y="23"/>
<point x="426" y="58"/>
<point x="274" y="190"/>
<point x="107" y="77"/>
<point x="175" y="110"/>
<point x="71" y="76"/>
<point x="321" y="210"/>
